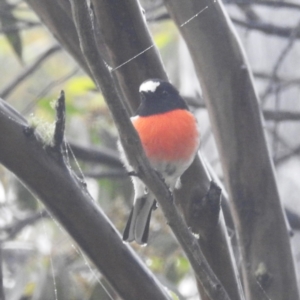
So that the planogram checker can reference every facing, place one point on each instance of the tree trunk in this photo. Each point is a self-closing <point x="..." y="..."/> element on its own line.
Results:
<point x="267" y="262"/>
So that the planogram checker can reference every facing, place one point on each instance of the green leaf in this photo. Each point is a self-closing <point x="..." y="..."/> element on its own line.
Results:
<point x="182" y="264"/>
<point x="79" y="85"/>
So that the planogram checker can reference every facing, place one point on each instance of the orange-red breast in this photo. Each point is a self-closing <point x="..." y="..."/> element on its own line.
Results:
<point x="170" y="138"/>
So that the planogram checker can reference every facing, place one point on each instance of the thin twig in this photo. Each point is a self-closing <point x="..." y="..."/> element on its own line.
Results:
<point x="47" y="89"/>
<point x="269" y="114"/>
<point x="19" y="27"/>
<point x="59" y="131"/>
<point x="281" y="159"/>
<point x="136" y="154"/>
<point x="111" y="174"/>
<point x="13" y="229"/>
<point x="11" y="86"/>
<point x="272" y="4"/>
<point x="281" y="115"/>
<point x="272" y="132"/>
<point x="282" y="81"/>
<point x="267" y="28"/>
<point x="99" y="155"/>
<point x="275" y="141"/>
<point x="294" y="34"/>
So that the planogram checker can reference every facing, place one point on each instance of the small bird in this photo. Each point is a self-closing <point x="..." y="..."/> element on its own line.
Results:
<point x="170" y="138"/>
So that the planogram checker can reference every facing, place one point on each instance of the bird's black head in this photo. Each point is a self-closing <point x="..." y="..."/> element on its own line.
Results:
<point x="159" y="96"/>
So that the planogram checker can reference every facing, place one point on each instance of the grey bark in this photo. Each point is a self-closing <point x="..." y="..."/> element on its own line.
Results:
<point x="226" y="80"/>
<point x="42" y="171"/>
<point x="126" y="35"/>
<point x="56" y="16"/>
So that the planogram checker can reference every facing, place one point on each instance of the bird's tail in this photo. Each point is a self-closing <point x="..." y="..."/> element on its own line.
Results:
<point x="137" y="227"/>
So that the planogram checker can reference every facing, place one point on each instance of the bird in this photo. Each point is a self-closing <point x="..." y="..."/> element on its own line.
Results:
<point x="170" y="138"/>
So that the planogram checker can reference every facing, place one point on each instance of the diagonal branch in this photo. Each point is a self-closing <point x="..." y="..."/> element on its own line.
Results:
<point x="236" y="121"/>
<point x="66" y="197"/>
<point x="13" y="229"/>
<point x="8" y="89"/>
<point x="195" y="181"/>
<point x="136" y="155"/>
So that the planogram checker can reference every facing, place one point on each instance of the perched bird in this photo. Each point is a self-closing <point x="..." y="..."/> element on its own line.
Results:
<point x="170" y="138"/>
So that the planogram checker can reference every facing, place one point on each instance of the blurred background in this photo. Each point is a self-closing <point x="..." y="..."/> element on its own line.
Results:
<point x="39" y="260"/>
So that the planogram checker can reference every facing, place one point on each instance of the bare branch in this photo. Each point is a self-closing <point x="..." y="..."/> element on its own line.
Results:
<point x="69" y="201"/>
<point x="13" y="229"/>
<point x="19" y="27"/>
<point x="8" y="89"/>
<point x="136" y="155"/>
<point x="282" y="81"/>
<point x="100" y="155"/>
<point x="195" y="181"/>
<point x="59" y="132"/>
<point x="61" y="25"/>
<point x="112" y="174"/>
<point x="269" y="3"/>
<point x="267" y="28"/>
<point x="29" y="106"/>
<point x="57" y="17"/>
<point x="137" y="50"/>
<point x="281" y="159"/>
<point x="230" y="96"/>
<point x="292" y="39"/>
<point x="281" y="115"/>
<point x="269" y="114"/>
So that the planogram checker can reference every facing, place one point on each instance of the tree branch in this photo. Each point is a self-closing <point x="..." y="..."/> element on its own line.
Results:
<point x="8" y="89"/>
<point x="195" y="181"/>
<point x="236" y="121"/>
<point x="99" y="155"/>
<point x="59" y="131"/>
<point x="284" y="52"/>
<point x="136" y="43"/>
<point x="37" y="166"/>
<point x="285" y="157"/>
<point x="269" y="3"/>
<point x="266" y="28"/>
<point x="13" y="229"/>
<point x="135" y="153"/>
<point x="57" y="18"/>
<point x="61" y="26"/>
<point x="281" y="115"/>
<point x="269" y="114"/>
<point x="112" y="174"/>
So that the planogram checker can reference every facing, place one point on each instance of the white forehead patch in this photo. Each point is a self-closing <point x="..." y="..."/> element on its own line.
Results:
<point x="149" y="86"/>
